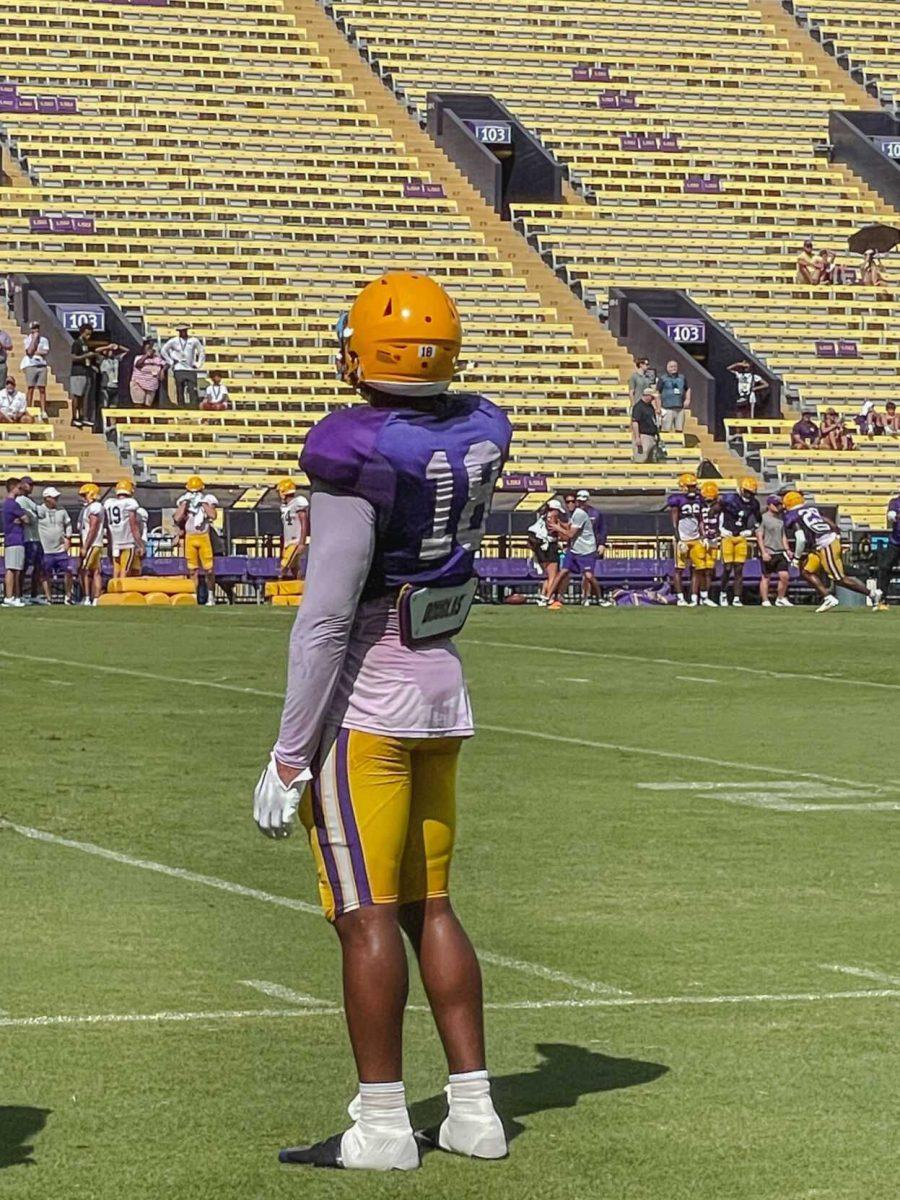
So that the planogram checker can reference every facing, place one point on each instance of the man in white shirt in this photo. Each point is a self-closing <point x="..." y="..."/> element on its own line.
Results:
<point x="294" y="527"/>
<point x="580" y="557"/>
<point x="751" y="388"/>
<point x="55" y="532"/>
<point x="216" y="398"/>
<point x="124" y="524"/>
<point x="34" y="551"/>
<point x="13" y="405"/>
<point x="90" y="527"/>
<point x="186" y="356"/>
<point x="194" y="513"/>
<point x="34" y="364"/>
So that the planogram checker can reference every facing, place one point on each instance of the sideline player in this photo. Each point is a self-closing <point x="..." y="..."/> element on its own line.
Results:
<point x="891" y="554"/>
<point x="817" y="548"/>
<point x="294" y="527"/>
<point x="126" y="545"/>
<point x="684" y="507"/>
<point x="740" y="516"/>
<point x="90" y="526"/>
<point x="377" y="708"/>
<point x="705" y="551"/>
<point x="194" y="513"/>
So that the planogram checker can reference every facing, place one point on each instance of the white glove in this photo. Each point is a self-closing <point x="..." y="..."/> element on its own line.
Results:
<point x="274" y="803"/>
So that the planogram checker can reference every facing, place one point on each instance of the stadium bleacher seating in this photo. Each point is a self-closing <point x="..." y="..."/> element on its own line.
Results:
<point x="867" y="31"/>
<point x="236" y="182"/>
<point x="746" y="109"/>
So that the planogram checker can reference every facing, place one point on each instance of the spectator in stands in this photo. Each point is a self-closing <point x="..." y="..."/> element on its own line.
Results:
<point x="147" y="373"/>
<point x="109" y="358"/>
<point x="642" y="377"/>
<point x="872" y="273"/>
<point x="807" y="264"/>
<point x="216" y="398"/>
<point x="870" y="422"/>
<point x="833" y="435"/>
<point x="827" y="268"/>
<point x="773" y="553"/>
<point x="13" y="546"/>
<point x="83" y="377"/>
<point x="644" y="426"/>
<point x="674" y="398"/>
<point x="186" y="356"/>
<point x="891" y="419"/>
<point x="13" y="405"/>
<point x="34" y="364"/>
<point x="34" y="551"/>
<point x="55" y="532"/>
<point x="751" y="388"/>
<point x="544" y="546"/>
<point x="805" y="433"/>
<point x="10" y="290"/>
<point x="6" y="345"/>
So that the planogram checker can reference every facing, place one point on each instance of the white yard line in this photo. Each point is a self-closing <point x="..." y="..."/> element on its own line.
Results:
<point x="862" y="973"/>
<point x="511" y="1006"/>
<point x="238" y="889"/>
<point x="576" y="679"/>
<point x="618" y="747"/>
<point x="782" y="795"/>
<point x="279" y="992"/>
<point x="844" y="681"/>
<point x="696" y="679"/>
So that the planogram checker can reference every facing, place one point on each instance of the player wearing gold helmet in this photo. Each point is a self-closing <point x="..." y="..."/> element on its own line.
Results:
<point x="684" y="507"/>
<point x="90" y="527"/>
<point x="294" y="527"/>
<point x="740" y="515"/>
<point x="195" y="512"/>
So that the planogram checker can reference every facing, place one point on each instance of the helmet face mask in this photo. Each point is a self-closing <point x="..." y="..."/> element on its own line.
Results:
<point x="401" y="338"/>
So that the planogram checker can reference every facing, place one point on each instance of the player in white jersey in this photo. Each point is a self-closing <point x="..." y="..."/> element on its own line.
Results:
<point x="294" y="527"/>
<point x="123" y="522"/>
<point x="90" y="527"/>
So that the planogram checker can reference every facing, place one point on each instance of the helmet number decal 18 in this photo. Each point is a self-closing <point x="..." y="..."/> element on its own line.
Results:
<point x="427" y="351"/>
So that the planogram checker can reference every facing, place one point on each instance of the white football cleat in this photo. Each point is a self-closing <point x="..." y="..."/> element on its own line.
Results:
<point x="783" y="602"/>
<point x="708" y="603"/>
<point x="471" y="1128"/>
<point x="765" y="604"/>
<point x="737" y="602"/>
<point x="694" y="602"/>
<point x="828" y="603"/>
<point x="723" y="601"/>
<point x="210" y="603"/>
<point x="681" y="602"/>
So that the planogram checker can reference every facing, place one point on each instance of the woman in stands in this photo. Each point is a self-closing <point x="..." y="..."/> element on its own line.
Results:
<point x="872" y="273"/>
<point x="149" y="368"/>
<point x="832" y="435"/>
<point x="544" y="544"/>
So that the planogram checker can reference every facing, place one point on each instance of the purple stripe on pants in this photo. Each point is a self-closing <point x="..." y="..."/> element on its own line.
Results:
<point x="331" y="870"/>
<point x="348" y="817"/>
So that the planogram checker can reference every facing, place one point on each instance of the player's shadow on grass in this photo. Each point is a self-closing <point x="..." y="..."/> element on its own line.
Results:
<point x="18" y="1124"/>
<point x="564" y="1074"/>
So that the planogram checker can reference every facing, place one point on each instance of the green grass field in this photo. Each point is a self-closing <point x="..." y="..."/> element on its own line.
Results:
<point x="672" y="835"/>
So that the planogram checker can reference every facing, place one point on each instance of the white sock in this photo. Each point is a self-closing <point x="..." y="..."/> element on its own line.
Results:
<point x="704" y="595"/>
<point x="382" y="1108"/>
<point x="469" y="1085"/>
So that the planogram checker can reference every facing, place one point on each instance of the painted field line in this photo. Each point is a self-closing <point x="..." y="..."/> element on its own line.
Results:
<point x="279" y="992"/>
<point x="696" y="679"/>
<point x="862" y="973"/>
<point x="647" y="751"/>
<point x="675" y="662"/>
<point x="238" y="889"/>
<point x="593" y="1002"/>
<point x="576" y="679"/>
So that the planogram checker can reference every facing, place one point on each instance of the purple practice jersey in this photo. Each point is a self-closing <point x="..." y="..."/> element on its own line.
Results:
<point x="894" y="520"/>
<point x="13" y="526"/>
<point x="739" y="514"/>
<point x="429" y="474"/>
<point x="687" y="505"/>
<point x="709" y="520"/>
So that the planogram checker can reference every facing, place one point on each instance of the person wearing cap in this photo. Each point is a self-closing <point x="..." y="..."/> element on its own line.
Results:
<point x="124" y="525"/>
<point x="580" y="556"/>
<point x="195" y="513"/>
<point x="55" y="532"/>
<point x="805" y="432"/>
<point x="13" y="405"/>
<point x="773" y="554"/>
<point x="34" y="552"/>
<point x="34" y="364"/>
<point x="13" y="546"/>
<point x="807" y="264"/>
<point x="543" y="539"/>
<point x="90" y="527"/>
<point x="751" y="388"/>
<point x="186" y="355"/>
<point x="294" y="528"/>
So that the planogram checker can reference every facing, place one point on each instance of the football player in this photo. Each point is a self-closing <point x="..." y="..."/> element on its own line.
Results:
<point x="90" y="527"/>
<point x="124" y="524"/>
<point x="891" y="555"/>
<point x="194" y="513"/>
<point x="705" y="551"/>
<point x="684" y="506"/>
<point x="740" y="515"/>
<point x="377" y="708"/>
<point x="817" y="550"/>
<point x="294" y="527"/>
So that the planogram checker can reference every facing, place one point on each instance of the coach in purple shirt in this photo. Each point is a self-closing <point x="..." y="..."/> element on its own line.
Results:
<point x="14" y="541"/>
